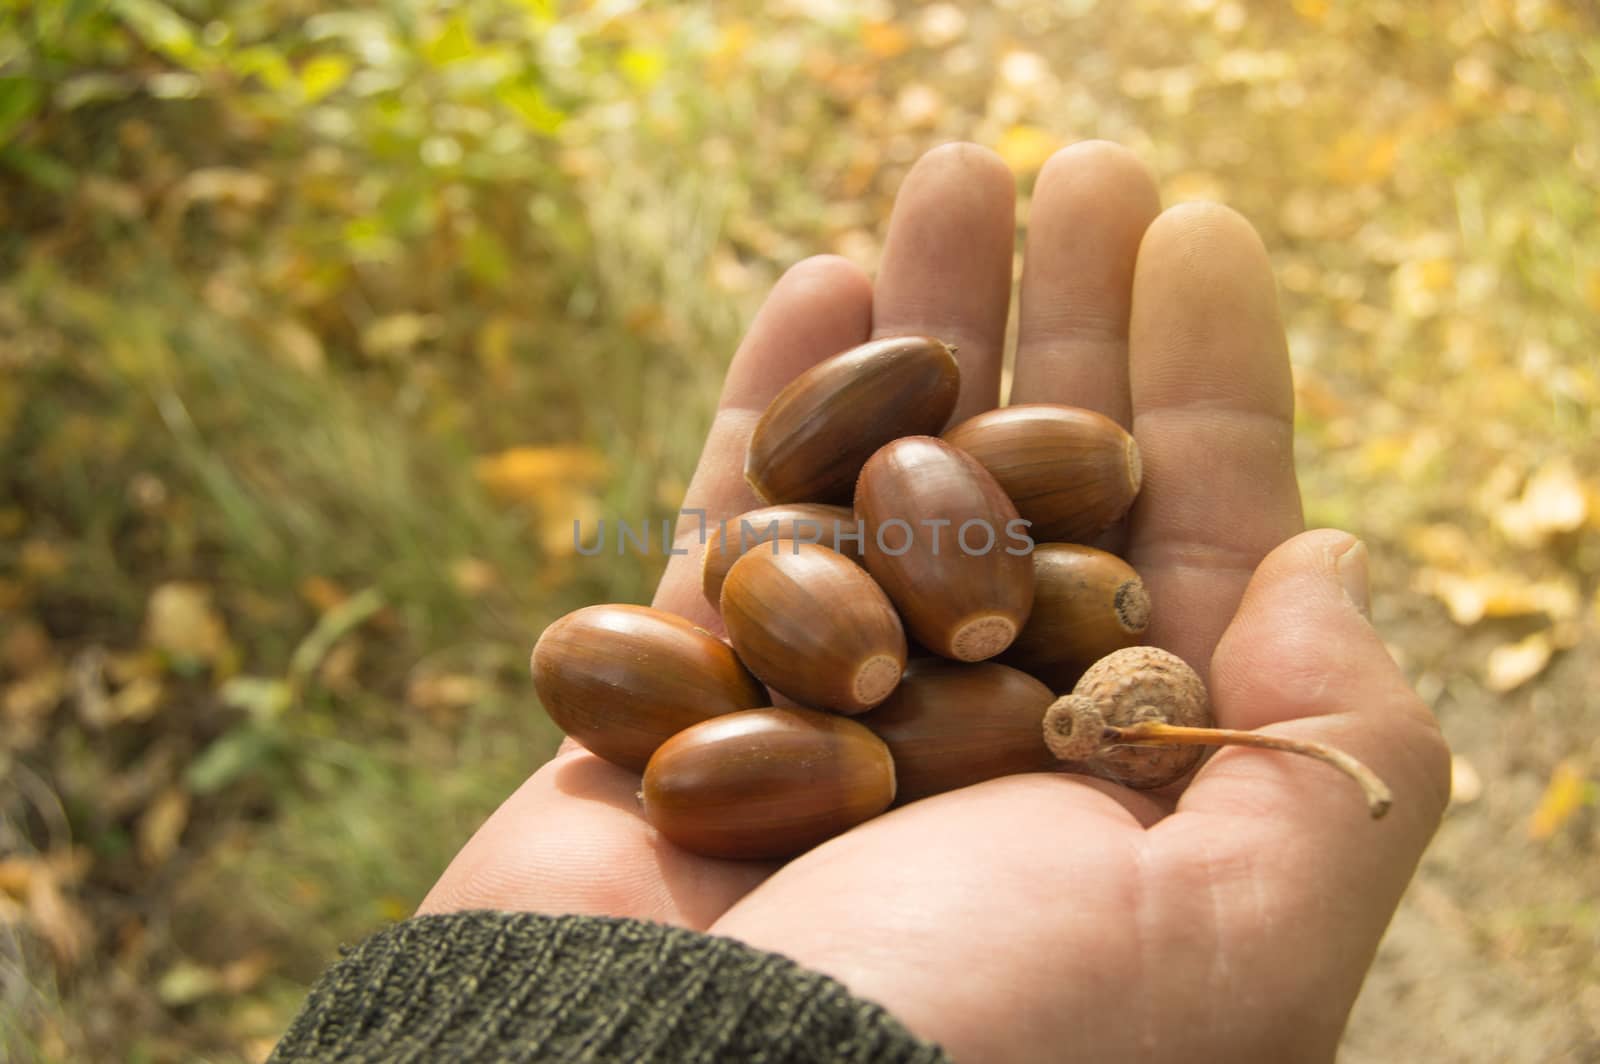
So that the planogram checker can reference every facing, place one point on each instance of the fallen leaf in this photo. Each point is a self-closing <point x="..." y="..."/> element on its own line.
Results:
<point x="473" y="576"/>
<point x="31" y="698"/>
<point x="1554" y="501"/>
<point x="1026" y="148"/>
<point x="321" y="593"/>
<point x="25" y="648"/>
<point x="532" y="474"/>
<point x="138" y="700"/>
<point x="1497" y="593"/>
<point x="181" y="622"/>
<point x="186" y="983"/>
<point x="161" y="825"/>
<point x="1513" y="664"/>
<point x="885" y="39"/>
<point x="1565" y="794"/>
<point x="1466" y="786"/>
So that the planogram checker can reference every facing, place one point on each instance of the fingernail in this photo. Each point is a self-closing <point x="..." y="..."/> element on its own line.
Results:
<point x="1352" y="569"/>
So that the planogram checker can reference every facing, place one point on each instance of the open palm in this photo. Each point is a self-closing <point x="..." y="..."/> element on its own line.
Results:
<point x="1055" y="916"/>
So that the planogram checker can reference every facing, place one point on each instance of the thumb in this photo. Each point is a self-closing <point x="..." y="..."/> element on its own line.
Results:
<point x="1302" y="660"/>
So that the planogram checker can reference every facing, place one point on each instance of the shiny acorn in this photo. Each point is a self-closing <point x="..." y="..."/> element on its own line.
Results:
<point x="945" y="542"/>
<point x="1086" y="603"/>
<point x="830" y="526"/>
<point x="814" y="437"/>
<point x="1071" y="472"/>
<point x="950" y="725"/>
<point x="621" y="679"/>
<point x="766" y="783"/>
<point x="812" y="625"/>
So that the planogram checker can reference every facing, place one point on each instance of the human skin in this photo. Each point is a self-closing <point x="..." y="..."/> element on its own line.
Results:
<point x="1054" y="916"/>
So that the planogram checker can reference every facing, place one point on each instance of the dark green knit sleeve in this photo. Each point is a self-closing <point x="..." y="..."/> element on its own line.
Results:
<point x="485" y="986"/>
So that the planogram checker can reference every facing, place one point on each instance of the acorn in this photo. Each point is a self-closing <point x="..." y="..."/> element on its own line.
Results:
<point x="1140" y="717"/>
<point x="1086" y="603"/>
<point x="1071" y="472"/>
<point x="812" y="625"/>
<point x="766" y="783"/>
<point x="831" y="526"/>
<point x="623" y="679"/>
<point x="950" y="725"/>
<point x="814" y="437"/>
<point x="960" y="575"/>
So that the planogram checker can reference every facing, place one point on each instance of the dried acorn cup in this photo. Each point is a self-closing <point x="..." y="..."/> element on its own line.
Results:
<point x="1140" y="716"/>
<point x="621" y="680"/>
<point x="944" y="541"/>
<point x="811" y="624"/>
<point x="814" y="437"/>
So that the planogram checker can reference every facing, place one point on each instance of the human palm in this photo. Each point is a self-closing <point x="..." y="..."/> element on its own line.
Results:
<point x="1050" y="917"/>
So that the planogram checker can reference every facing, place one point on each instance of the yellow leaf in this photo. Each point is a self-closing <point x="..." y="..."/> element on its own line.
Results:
<point x="1511" y="665"/>
<point x="43" y="559"/>
<point x="161" y="825"/>
<point x="1591" y="289"/>
<point x="538" y="474"/>
<point x="885" y="39"/>
<point x="1026" y="148"/>
<point x="1466" y="786"/>
<point x="1444" y="546"/>
<point x="393" y="908"/>
<point x="1553" y="502"/>
<point x="1312" y="10"/>
<point x="321" y="75"/>
<point x="1564" y="795"/>
<point x="1471" y="598"/>
<point x="181" y="622"/>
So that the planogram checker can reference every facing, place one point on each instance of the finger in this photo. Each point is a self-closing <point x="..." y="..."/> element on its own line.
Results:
<point x="946" y="267"/>
<point x="1302" y="655"/>
<point x="571" y="840"/>
<point x="1091" y="206"/>
<point x="1300" y="660"/>
<point x="1213" y="411"/>
<point x="820" y="307"/>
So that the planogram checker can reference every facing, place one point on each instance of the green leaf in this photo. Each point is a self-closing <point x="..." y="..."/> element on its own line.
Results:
<point x="232" y="757"/>
<point x="19" y="101"/>
<point x="159" y="27"/>
<point x="453" y="43"/>
<point x="46" y="171"/>
<point x="532" y="107"/>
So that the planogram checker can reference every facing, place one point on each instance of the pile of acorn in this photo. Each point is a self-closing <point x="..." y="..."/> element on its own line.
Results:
<point x="919" y="599"/>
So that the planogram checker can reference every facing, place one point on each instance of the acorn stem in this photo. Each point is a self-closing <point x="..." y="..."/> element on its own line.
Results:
<point x="1156" y="733"/>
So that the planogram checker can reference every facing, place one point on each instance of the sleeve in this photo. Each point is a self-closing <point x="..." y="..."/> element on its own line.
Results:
<point x="488" y="986"/>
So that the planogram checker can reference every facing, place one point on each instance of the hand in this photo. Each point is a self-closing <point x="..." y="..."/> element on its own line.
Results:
<point x="1055" y="916"/>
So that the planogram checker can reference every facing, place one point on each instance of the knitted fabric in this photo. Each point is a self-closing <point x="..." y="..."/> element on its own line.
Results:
<point x="487" y="986"/>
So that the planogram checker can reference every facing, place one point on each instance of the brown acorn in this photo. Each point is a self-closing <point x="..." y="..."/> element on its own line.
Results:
<point x="1071" y="472"/>
<point x="814" y="437"/>
<point x="813" y="625"/>
<point x="766" y="783"/>
<point x="623" y="679"/>
<point x="951" y="725"/>
<point x="831" y="526"/>
<point x="1086" y="603"/>
<point x="947" y="545"/>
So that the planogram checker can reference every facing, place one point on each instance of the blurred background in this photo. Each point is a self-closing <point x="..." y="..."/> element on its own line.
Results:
<point x="319" y="325"/>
